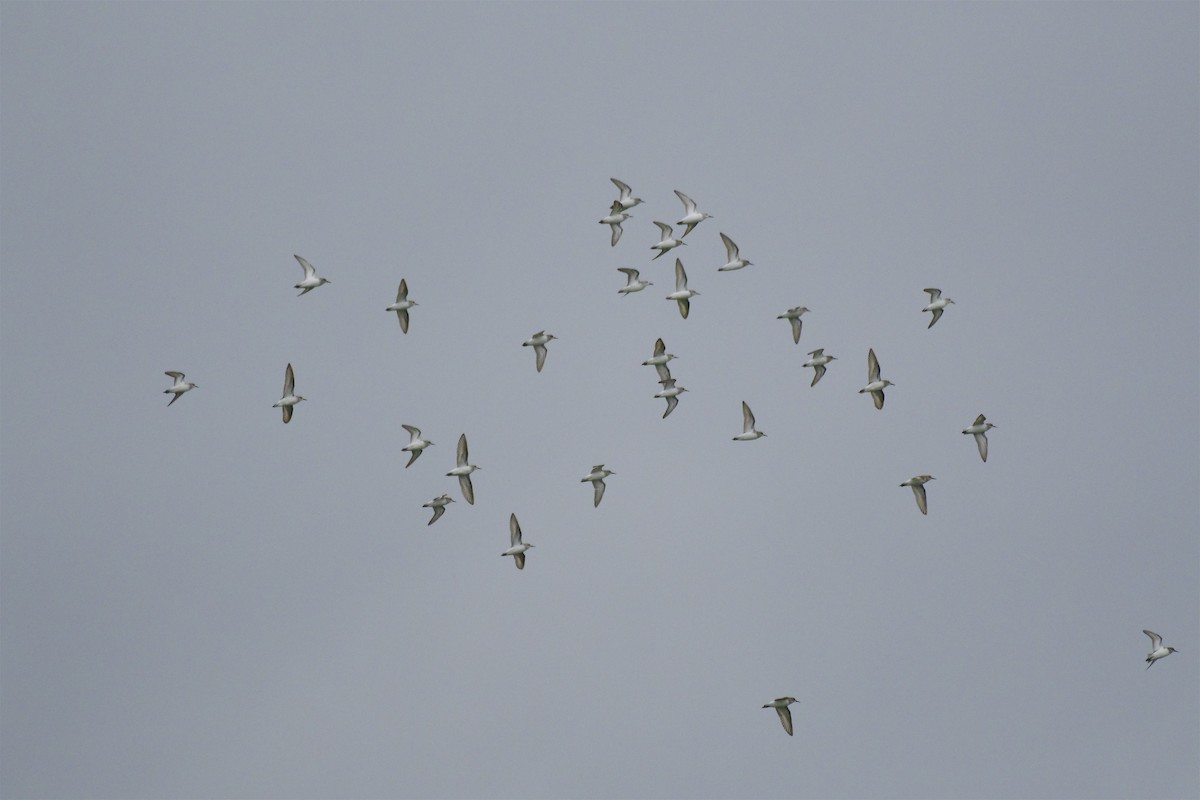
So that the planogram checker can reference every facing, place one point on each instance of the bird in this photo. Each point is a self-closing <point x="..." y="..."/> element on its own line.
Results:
<point x="691" y="217"/>
<point x="626" y="201"/>
<point x="682" y="294"/>
<point x="632" y="282"/>
<point x="732" y="259"/>
<point x="463" y="471"/>
<point x="659" y="360"/>
<point x="290" y="398"/>
<point x="438" y="504"/>
<point x="178" y="387"/>
<point x="597" y="476"/>
<point x="416" y="445"/>
<point x="917" y="482"/>
<point x="875" y="386"/>
<point x="667" y="242"/>
<point x="793" y="315"/>
<point x="311" y="281"/>
<point x="780" y="704"/>
<point x="402" y="305"/>
<point x="538" y="342"/>
<point x="614" y="219"/>
<point x="818" y="362"/>
<point x="749" y="432"/>
<point x="671" y="392"/>
<point x="979" y="429"/>
<point x="518" y="548"/>
<point x="1157" y="650"/>
<point x="937" y="304"/>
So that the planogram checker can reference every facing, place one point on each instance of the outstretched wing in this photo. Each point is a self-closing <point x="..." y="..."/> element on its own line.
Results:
<point x="309" y="269"/>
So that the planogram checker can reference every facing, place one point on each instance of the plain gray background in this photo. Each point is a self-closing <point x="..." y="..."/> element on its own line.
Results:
<point x="202" y="602"/>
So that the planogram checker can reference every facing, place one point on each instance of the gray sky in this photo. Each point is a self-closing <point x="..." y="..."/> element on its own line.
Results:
<point x="202" y="602"/>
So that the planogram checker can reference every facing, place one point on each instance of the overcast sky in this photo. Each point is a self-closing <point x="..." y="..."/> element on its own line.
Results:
<point x="199" y="601"/>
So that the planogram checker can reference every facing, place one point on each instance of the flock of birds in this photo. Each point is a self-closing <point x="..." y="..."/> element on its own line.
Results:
<point x="660" y="359"/>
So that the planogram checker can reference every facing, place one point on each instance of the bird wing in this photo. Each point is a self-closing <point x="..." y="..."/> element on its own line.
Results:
<point x="1155" y="640"/>
<point x="872" y="367"/>
<point x="178" y="376"/>
<point x="785" y="716"/>
<point x="981" y="442"/>
<point x="617" y="230"/>
<point x="689" y="205"/>
<point x="540" y="350"/>
<point x="937" y="314"/>
<point x="820" y="370"/>
<point x="817" y="353"/>
<point x="519" y="560"/>
<point x="877" y="396"/>
<point x="660" y="347"/>
<point x="413" y="433"/>
<point x="684" y="307"/>
<point x="624" y="187"/>
<point x="461" y="452"/>
<point x="665" y="228"/>
<point x="402" y="293"/>
<point x="671" y="403"/>
<point x="287" y="414"/>
<point x="680" y="276"/>
<point x="437" y="511"/>
<point x="664" y="372"/>
<point x="402" y="315"/>
<point x="631" y="274"/>
<point x="599" y="487"/>
<point x="731" y="249"/>
<point x="309" y="269"/>
<point x="289" y="381"/>
<point x="919" y="491"/>
<point x="464" y="483"/>
<point x="797" y="324"/>
<point x="747" y="418"/>
<point x="514" y="530"/>
<point x="979" y="420"/>
<point x="934" y="294"/>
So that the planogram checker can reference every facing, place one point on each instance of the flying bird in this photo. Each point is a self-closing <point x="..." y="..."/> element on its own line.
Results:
<point x="917" y="482"/>
<point x="937" y="304"/>
<point x="682" y="294"/>
<point x="875" y="386"/>
<point x="668" y="241"/>
<point x="597" y="476"/>
<point x="402" y="305"/>
<point x="463" y="471"/>
<point x="979" y="429"/>
<point x="691" y="217"/>
<point x="290" y="398"/>
<point x="818" y="362"/>
<point x="780" y="704"/>
<point x="538" y="342"/>
<point x="438" y="504"/>
<point x="632" y="282"/>
<point x="518" y="548"/>
<point x="614" y="219"/>
<point x="416" y="445"/>
<point x="659" y="360"/>
<point x="749" y="432"/>
<point x="178" y="387"/>
<point x="626" y="201"/>
<point x="311" y="281"/>
<point x="793" y="315"/>
<point x="671" y="392"/>
<point x="732" y="259"/>
<point x="1157" y="650"/>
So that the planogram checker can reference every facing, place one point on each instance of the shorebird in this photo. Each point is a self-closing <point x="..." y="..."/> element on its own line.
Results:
<point x="290" y="398"/>
<point x="632" y="282"/>
<point x="179" y="386"/>
<point x="438" y="504"/>
<point x="659" y="360"/>
<point x="311" y="281"/>
<point x="818" y="362"/>
<point x="518" y="548"/>
<point x="979" y="429"/>
<point x="917" y="482"/>
<point x="463" y="471"/>
<point x="626" y="201"/>
<point x="875" y="386"/>
<point x="749" y="432"/>
<point x="614" y="219"/>
<point x="793" y="315"/>
<point x="732" y="259"/>
<point x="538" y="342"/>
<point x="668" y="241"/>
<point x="682" y="294"/>
<point x="597" y="476"/>
<point x="416" y="445"/>
<point x="671" y="392"/>
<point x="937" y="304"/>
<point x="691" y="217"/>
<point x="402" y="305"/>
<point x="1157" y="650"/>
<point x="780" y="704"/>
